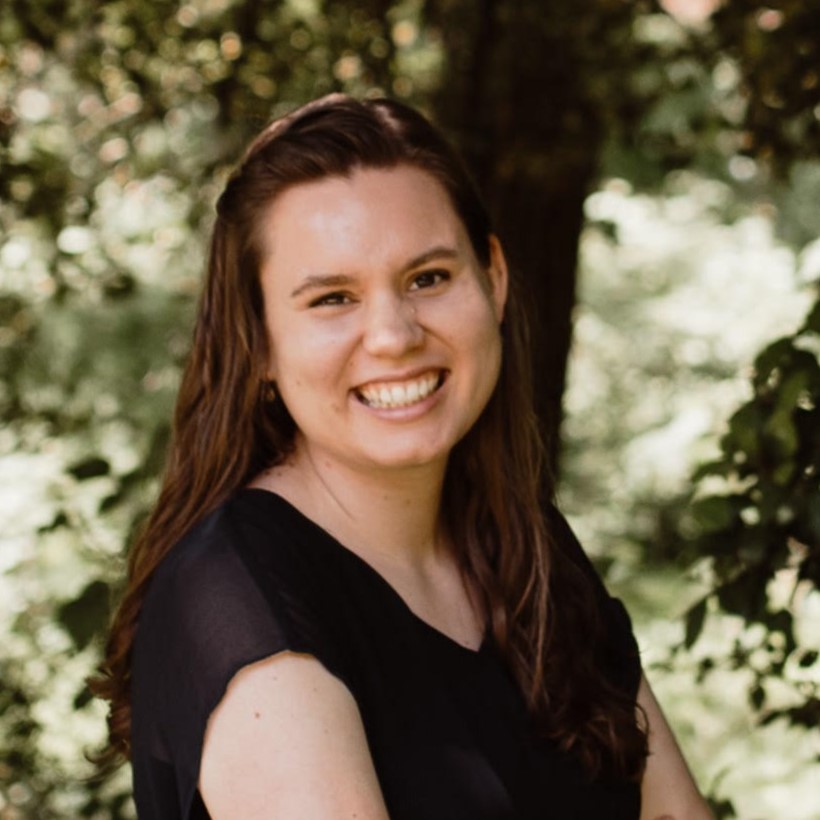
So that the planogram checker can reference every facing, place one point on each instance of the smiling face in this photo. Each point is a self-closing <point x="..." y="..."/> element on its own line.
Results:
<point x="384" y="327"/>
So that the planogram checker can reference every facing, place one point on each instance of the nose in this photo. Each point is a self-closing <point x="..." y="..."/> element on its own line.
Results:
<point x="391" y="326"/>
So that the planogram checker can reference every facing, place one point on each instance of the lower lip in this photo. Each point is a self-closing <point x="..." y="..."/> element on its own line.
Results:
<point x="408" y="412"/>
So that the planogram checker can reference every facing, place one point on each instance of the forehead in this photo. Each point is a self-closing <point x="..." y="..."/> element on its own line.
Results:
<point x="371" y="213"/>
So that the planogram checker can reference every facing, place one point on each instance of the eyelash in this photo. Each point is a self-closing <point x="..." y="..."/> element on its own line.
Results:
<point x="439" y="274"/>
<point x="330" y="299"/>
<point x="336" y="298"/>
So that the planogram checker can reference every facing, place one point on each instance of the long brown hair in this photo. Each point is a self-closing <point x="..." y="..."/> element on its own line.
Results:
<point x="226" y="430"/>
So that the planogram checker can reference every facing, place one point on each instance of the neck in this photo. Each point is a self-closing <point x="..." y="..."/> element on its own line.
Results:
<point x="388" y="516"/>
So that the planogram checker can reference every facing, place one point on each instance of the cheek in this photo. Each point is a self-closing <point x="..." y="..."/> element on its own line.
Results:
<point x="491" y="358"/>
<point x="486" y="341"/>
<point x="304" y="350"/>
<point x="472" y="322"/>
<point x="311" y="366"/>
<point x="472" y="333"/>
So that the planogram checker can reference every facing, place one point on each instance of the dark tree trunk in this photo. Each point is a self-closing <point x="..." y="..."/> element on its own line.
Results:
<point x="515" y="101"/>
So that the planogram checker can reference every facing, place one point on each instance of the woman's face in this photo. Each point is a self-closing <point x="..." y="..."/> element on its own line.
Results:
<point x="384" y="327"/>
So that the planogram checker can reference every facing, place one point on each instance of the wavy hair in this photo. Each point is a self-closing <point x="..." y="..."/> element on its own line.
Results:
<point x="226" y="430"/>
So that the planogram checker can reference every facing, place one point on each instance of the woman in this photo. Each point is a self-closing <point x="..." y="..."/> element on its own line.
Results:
<point x="352" y="599"/>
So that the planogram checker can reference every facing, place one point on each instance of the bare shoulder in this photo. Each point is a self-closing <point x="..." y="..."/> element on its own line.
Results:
<point x="668" y="790"/>
<point x="287" y="740"/>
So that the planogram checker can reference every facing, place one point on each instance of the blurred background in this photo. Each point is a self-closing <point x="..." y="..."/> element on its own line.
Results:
<point x="654" y="170"/>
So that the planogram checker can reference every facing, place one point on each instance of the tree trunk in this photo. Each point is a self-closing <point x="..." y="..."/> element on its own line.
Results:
<point x="514" y="101"/>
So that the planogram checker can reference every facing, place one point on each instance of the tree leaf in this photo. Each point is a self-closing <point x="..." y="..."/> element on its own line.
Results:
<point x="757" y="697"/>
<point x="782" y="434"/>
<point x="694" y="623"/>
<point x="744" y="431"/>
<point x="87" y="614"/>
<point x="89" y="468"/>
<point x="714" y="513"/>
<point x="771" y="357"/>
<point x="813" y="319"/>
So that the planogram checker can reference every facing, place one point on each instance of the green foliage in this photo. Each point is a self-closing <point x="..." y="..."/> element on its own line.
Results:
<point x="777" y="51"/>
<point x="81" y="617"/>
<point x="739" y="101"/>
<point x="637" y="411"/>
<point x="757" y="521"/>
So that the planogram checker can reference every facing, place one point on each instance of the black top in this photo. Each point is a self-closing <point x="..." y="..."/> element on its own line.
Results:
<point x="447" y="727"/>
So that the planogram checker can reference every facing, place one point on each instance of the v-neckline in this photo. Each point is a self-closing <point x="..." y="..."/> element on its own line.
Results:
<point x="337" y="545"/>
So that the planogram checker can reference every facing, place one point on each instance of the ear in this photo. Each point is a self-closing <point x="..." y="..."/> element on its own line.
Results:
<point x="498" y="276"/>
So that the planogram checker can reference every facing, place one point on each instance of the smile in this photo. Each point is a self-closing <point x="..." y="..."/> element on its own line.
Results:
<point x="387" y="395"/>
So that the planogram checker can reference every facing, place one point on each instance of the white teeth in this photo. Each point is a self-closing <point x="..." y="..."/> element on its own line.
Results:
<point x="399" y="395"/>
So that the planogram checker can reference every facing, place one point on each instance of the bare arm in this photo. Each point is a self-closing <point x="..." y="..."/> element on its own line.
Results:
<point x="287" y="741"/>
<point x="668" y="790"/>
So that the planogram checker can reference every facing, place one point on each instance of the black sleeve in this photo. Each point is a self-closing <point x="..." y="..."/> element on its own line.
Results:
<point x="619" y="650"/>
<point x="204" y="618"/>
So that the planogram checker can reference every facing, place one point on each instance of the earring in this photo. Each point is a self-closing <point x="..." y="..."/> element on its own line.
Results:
<point x="269" y="394"/>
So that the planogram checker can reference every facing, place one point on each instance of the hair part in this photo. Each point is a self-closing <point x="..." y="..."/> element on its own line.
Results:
<point x="226" y="430"/>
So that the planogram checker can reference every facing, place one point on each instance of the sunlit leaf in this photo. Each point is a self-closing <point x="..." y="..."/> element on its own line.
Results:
<point x="714" y="513"/>
<point x="744" y="430"/>
<point x="713" y="468"/>
<point x="771" y="357"/>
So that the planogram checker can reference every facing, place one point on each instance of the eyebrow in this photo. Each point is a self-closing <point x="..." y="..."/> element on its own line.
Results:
<point x="335" y="280"/>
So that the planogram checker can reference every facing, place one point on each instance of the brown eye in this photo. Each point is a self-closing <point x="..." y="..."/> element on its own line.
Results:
<point x="429" y="279"/>
<point x="335" y="298"/>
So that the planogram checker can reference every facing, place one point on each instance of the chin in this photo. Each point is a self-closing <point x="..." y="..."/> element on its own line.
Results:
<point x="409" y="458"/>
